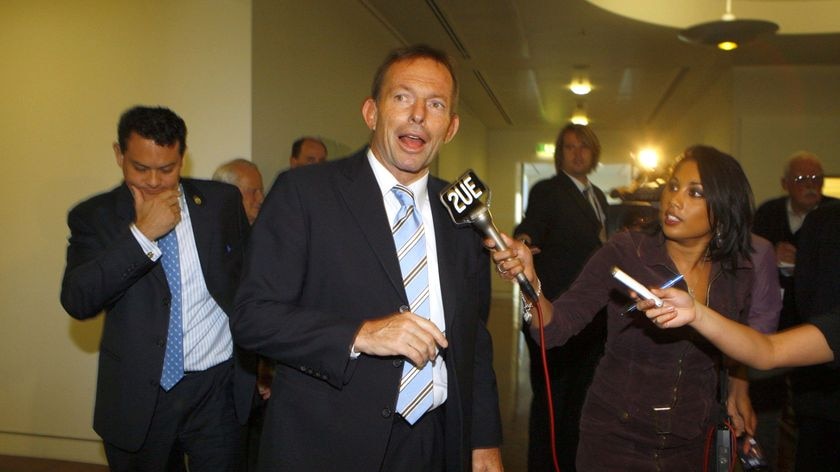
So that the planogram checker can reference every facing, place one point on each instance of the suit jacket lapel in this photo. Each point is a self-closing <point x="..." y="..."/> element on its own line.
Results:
<point x="364" y="203"/>
<point x="576" y="196"/>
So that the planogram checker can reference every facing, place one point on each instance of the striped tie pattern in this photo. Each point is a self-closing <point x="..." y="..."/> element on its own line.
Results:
<point x="415" y="397"/>
<point x="173" y="359"/>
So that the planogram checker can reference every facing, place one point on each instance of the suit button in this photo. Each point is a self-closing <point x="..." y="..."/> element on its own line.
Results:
<point x="386" y="412"/>
<point x="167" y="300"/>
<point x="397" y="362"/>
<point x="625" y="416"/>
<point x="160" y="342"/>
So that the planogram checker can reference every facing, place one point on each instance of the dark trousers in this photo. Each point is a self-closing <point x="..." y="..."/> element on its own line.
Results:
<point x="818" y="448"/>
<point x="195" y="418"/>
<point x="418" y="447"/>
<point x="570" y="368"/>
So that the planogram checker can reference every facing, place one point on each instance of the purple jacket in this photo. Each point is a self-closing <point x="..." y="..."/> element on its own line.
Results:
<point x="650" y="381"/>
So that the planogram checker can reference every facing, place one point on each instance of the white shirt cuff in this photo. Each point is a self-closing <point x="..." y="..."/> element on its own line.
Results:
<point x="149" y="247"/>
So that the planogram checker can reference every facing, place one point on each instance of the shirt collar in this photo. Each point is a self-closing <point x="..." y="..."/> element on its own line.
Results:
<point x="580" y="185"/>
<point x="387" y="181"/>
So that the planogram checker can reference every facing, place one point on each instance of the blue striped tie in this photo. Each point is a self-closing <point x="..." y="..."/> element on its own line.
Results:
<point x="415" y="396"/>
<point x="173" y="359"/>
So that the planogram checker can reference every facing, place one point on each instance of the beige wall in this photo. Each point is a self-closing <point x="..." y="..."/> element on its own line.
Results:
<point x="778" y="111"/>
<point x="69" y="70"/>
<point x="314" y="84"/>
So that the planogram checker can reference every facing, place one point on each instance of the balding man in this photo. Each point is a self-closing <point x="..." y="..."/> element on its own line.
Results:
<point x="245" y="175"/>
<point x="307" y="150"/>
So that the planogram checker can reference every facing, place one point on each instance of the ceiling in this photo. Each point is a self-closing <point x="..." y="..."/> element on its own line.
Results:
<point x="517" y="57"/>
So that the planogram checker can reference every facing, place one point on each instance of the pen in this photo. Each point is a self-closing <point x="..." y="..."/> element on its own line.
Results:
<point x="670" y="283"/>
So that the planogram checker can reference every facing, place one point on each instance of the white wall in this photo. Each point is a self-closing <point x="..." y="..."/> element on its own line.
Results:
<point x="69" y="70"/>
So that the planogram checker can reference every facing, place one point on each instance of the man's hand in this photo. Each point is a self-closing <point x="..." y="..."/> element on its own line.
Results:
<point x="487" y="460"/>
<point x="785" y="253"/>
<point x="401" y="334"/>
<point x="265" y="376"/>
<point x="156" y="216"/>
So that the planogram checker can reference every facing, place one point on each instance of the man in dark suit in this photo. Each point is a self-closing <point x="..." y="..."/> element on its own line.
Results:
<point x="817" y="389"/>
<point x="779" y="221"/>
<point x="326" y="295"/>
<point x="162" y="256"/>
<point x="564" y="224"/>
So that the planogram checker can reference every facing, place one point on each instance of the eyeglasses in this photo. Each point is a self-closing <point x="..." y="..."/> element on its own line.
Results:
<point x="807" y="180"/>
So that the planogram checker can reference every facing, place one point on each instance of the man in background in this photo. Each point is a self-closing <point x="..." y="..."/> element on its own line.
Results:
<point x="779" y="221"/>
<point x="161" y="255"/>
<point x="245" y="175"/>
<point x="307" y="150"/>
<point x="564" y="224"/>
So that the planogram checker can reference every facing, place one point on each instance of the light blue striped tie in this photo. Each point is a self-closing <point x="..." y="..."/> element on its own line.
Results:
<point x="415" y="396"/>
<point x="173" y="359"/>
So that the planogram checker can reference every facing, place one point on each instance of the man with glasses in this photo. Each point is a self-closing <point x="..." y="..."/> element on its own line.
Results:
<point x="779" y="221"/>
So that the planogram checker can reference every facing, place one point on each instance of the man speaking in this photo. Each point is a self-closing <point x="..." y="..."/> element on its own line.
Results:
<point x="372" y="301"/>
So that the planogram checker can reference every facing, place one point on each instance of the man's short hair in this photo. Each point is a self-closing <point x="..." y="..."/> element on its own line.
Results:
<point x="159" y="124"/>
<point x="408" y="53"/>
<point x="298" y="144"/>
<point x="227" y="171"/>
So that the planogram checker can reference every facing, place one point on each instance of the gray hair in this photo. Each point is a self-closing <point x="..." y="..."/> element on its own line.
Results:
<point x="227" y="171"/>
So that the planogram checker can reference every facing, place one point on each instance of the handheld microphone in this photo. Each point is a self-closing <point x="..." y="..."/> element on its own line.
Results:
<point x="462" y="201"/>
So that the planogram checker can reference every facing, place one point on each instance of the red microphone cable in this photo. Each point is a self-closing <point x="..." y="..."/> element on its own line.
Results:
<point x="549" y="398"/>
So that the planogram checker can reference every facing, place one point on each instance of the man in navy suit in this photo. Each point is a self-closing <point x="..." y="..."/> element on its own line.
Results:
<point x="323" y="295"/>
<point x="162" y="302"/>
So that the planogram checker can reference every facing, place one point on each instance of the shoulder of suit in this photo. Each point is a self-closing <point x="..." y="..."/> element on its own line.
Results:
<point x="772" y="204"/>
<point x="101" y="200"/>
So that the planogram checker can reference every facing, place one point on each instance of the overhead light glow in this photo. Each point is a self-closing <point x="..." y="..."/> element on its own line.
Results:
<point x="648" y="158"/>
<point x="580" y="87"/>
<point x="727" y="45"/>
<point x="579" y="118"/>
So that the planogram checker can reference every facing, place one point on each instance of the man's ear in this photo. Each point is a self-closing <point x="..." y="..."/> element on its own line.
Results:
<point x="118" y="154"/>
<point x="454" y="123"/>
<point x="369" y="110"/>
<point x="785" y="184"/>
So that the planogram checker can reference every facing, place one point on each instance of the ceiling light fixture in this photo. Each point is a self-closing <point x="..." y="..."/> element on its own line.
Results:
<point x="728" y="33"/>
<point x="579" y="116"/>
<point x="580" y="87"/>
<point x="580" y="84"/>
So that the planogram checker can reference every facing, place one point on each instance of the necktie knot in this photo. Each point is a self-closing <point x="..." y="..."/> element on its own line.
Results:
<point x="404" y="195"/>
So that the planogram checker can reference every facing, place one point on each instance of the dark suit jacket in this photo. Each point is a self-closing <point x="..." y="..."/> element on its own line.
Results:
<point x="771" y="223"/>
<point x="817" y="293"/>
<point x="562" y="223"/>
<point x="321" y="261"/>
<point x="107" y="270"/>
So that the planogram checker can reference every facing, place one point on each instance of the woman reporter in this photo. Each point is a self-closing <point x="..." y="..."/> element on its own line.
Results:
<point x="653" y="397"/>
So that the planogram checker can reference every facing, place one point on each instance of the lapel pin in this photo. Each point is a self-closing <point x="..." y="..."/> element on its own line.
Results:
<point x="197" y="199"/>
